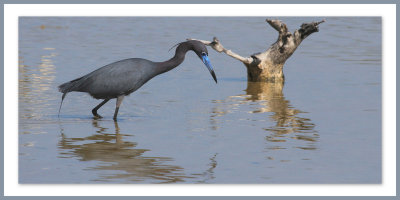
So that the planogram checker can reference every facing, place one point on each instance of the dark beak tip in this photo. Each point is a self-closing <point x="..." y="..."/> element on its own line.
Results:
<point x="214" y="77"/>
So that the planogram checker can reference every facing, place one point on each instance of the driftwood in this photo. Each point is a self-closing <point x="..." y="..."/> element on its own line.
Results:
<point x="268" y="66"/>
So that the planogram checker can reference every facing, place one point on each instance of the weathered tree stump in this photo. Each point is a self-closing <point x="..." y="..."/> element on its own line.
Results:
<point x="268" y="66"/>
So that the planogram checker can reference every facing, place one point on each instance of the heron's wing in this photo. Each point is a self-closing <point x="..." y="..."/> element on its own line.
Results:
<point x="122" y="77"/>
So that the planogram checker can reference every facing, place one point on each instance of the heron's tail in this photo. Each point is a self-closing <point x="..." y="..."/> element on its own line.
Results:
<point x="62" y="99"/>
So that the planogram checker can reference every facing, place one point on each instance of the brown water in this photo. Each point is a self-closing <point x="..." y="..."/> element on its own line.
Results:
<point x="322" y="126"/>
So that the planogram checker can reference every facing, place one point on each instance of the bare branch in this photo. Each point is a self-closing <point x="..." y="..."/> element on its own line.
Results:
<point x="278" y="25"/>
<point x="217" y="46"/>
<point x="205" y="42"/>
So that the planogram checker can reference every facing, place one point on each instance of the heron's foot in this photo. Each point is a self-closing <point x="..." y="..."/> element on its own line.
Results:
<point x="95" y="115"/>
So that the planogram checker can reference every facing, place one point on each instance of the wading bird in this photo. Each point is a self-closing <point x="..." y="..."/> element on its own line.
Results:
<point x="123" y="77"/>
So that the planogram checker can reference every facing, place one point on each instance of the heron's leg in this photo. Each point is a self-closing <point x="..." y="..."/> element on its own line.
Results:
<point x="94" y="111"/>
<point x="119" y="101"/>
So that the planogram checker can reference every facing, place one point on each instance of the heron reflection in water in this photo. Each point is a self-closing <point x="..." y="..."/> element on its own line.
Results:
<point x="118" y="155"/>
<point x="124" y="158"/>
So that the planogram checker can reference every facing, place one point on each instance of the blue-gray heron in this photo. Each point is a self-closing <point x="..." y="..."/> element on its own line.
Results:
<point x="123" y="77"/>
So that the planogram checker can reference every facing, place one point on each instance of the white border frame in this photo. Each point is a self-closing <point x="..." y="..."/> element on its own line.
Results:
<point x="13" y="11"/>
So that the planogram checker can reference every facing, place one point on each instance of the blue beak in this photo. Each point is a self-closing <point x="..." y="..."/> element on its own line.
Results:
<point x="206" y="61"/>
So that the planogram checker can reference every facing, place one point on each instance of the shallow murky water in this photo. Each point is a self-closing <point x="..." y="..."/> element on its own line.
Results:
<point x="322" y="126"/>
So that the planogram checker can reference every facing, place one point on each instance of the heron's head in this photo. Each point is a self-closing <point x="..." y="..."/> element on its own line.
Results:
<point x="201" y="50"/>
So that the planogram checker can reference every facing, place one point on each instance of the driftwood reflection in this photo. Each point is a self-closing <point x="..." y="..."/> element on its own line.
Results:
<point x="269" y="97"/>
<point x="122" y="157"/>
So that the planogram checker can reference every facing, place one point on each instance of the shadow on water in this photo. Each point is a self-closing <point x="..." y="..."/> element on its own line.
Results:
<point x="122" y="158"/>
<point x="287" y="122"/>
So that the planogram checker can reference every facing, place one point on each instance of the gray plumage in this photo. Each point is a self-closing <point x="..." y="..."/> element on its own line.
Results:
<point x="121" y="78"/>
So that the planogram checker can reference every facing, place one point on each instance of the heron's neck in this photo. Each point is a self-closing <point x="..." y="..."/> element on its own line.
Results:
<point x="174" y="61"/>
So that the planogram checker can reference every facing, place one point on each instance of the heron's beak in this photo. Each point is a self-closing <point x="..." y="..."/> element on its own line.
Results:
<point x="206" y="61"/>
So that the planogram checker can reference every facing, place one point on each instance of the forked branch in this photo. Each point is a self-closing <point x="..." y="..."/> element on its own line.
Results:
<point x="268" y="65"/>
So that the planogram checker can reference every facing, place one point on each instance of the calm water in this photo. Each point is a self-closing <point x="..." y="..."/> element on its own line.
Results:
<point x="322" y="126"/>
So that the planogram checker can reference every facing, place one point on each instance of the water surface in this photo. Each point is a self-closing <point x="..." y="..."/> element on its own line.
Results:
<point x="323" y="125"/>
